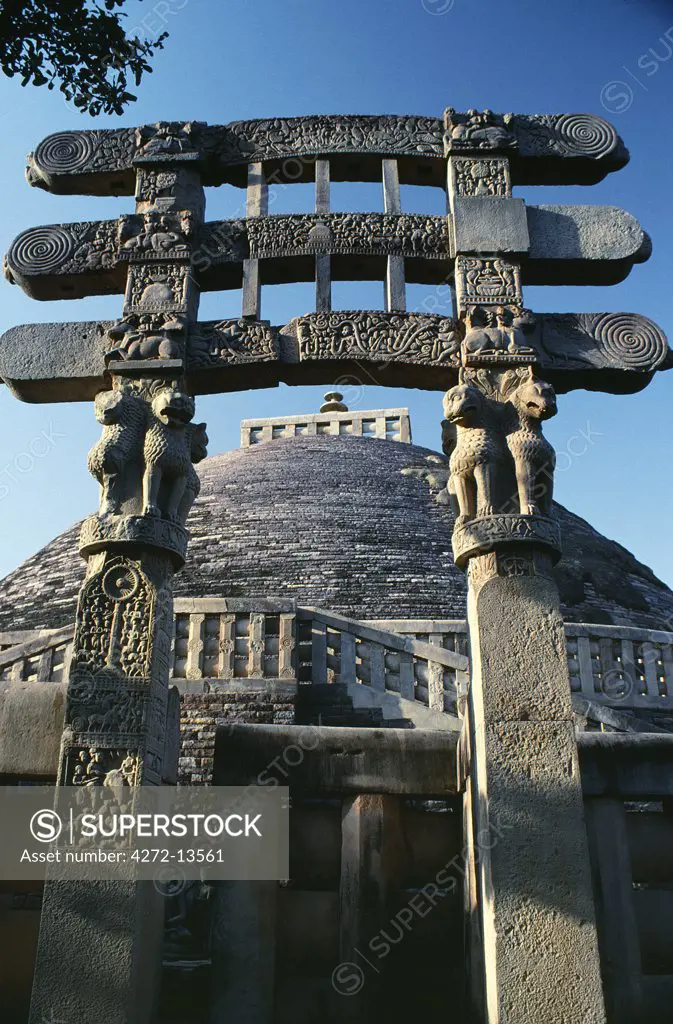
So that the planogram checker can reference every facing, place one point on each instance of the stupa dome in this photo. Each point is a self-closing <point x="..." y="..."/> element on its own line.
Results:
<point x="342" y="522"/>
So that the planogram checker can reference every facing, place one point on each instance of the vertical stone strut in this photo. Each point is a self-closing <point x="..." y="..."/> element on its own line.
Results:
<point x="118" y="730"/>
<point x="525" y="820"/>
<point x="323" y="261"/>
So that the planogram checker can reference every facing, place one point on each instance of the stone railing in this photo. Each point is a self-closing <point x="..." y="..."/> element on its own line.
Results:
<point x="40" y="656"/>
<point x="225" y="639"/>
<point x="335" y="649"/>
<point x="621" y="666"/>
<point x="222" y="640"/>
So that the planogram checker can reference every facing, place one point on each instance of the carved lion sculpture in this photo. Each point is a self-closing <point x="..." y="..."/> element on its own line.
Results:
<point x="167" y="453"/>
<point x="123" y="417"/>
<point x="198" y="450"/>
<point x="534" y="458"/>
<point x="479" y="454"/>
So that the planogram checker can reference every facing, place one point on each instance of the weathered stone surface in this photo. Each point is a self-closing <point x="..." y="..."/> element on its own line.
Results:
<point x="49" y="360"/>
<point x="583" y="235"/>
<point x="548" y="148"/>
<point x="537" y="916"/>
<point x="489" y="224"/>
<point x="599" y="351"/>
<point x="568" y="245"/>
<point x="490" y="532"/>
<point x="244" y="951"/>
<point x="113" y="933"/>
<point x="539" y="924"/>
<point x="334" y="760"/>
<point x="31" y="723"/>
<point x="531" y="668"/>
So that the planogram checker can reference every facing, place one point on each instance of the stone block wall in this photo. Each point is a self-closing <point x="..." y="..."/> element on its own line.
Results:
<point x="202" y="713"/>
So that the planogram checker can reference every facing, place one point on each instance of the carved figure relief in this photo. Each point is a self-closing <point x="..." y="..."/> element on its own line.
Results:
<point x="198" y="451"/>
<point x="492" y="282"/>
<point x="147" y="336"/>
<point x="481" y="177"/>
<point x="244" y="141"/>
<point x="157" y="288"/>
<point x="156" y="234"/>
<point x="381" y="336"/>
<point x="500" y="462"/>
<point x="501" y="334"/>
<point x="102" y="707"/>
<point x="167" y="140"/>
<point x="110" y="768"/>
<point x="475" y="130"/>
<point x="147" y="445"/>
<point x="406" y="234"/>
<point x="154" y="185"/>
<point x="232" y="341"/>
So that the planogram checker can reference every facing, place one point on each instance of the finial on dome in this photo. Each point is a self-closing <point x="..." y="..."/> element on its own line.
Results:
<point x="333" y="403"/>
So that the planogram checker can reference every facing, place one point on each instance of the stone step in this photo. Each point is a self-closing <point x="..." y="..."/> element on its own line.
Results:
<point x="329" y="704"/>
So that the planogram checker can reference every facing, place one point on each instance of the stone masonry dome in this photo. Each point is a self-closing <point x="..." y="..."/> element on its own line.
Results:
<point x="342" y="522"/>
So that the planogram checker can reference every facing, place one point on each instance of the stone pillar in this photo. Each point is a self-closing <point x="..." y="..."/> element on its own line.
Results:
<point x="531" y="852"/>
<point x="244" y="952"/>
<point x="529" y="876"/>
<point x="99" y="954"/>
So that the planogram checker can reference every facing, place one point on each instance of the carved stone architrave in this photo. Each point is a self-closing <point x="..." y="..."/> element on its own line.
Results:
<point x="410" y="235"/>
<point x="381" y="337"/>
<point x="232" y="342"/>
<point x="610" y="352"/>
<point x="276" y="138"/>
<point x="575" y="244"/>
<point x="570" y="141"/>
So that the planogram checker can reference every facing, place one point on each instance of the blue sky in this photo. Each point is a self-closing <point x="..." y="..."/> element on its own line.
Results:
<point x="233" y="59"/>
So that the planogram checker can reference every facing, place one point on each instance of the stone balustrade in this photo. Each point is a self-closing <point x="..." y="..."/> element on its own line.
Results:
<point x="225" y="640"/>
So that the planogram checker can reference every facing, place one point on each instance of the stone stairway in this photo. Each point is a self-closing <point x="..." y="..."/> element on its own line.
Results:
<point x="330" y="704"/>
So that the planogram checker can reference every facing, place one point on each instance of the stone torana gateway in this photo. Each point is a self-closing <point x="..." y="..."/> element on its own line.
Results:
<point x="481" y="822"/>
